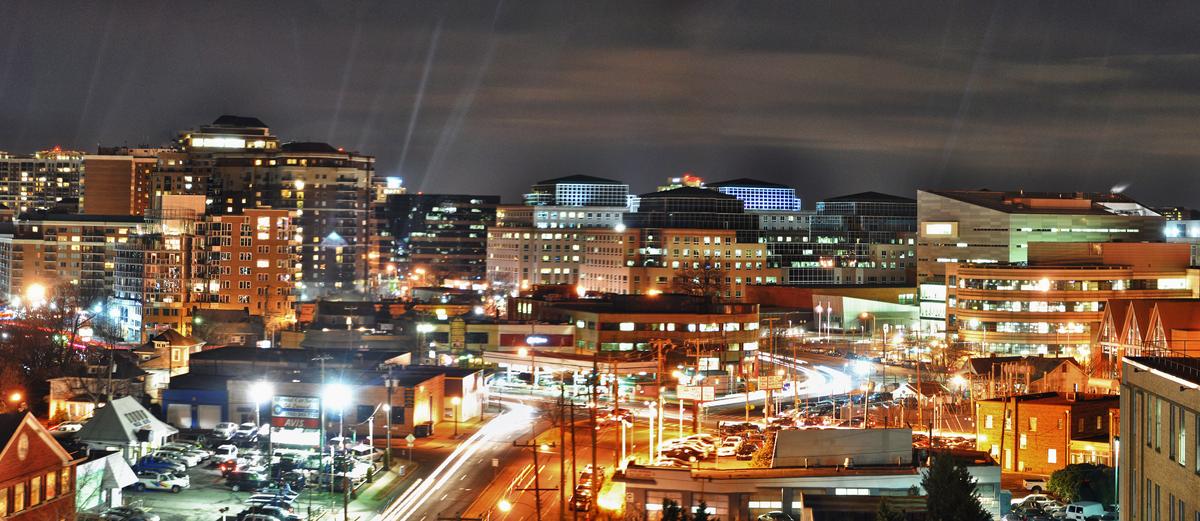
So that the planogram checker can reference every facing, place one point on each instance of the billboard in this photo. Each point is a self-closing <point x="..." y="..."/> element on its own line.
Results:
<point x="296" y="412"/>
<point x="695" y="392"/>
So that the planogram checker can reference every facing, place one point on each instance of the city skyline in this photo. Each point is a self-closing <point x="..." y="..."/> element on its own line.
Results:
<point x="961" y="97"/>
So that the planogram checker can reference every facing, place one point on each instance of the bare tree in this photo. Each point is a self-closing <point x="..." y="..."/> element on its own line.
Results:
<point x="702" y="279"/>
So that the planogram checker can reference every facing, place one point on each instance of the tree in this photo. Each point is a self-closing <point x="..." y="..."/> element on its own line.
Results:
<point x="1083" y="482"/>
<point x="702" y="512"/>
<point x="671" y="511"/>
<point x="702" y="279"/>
<point x="951" y="494"/>
<point x="887" y="513"/>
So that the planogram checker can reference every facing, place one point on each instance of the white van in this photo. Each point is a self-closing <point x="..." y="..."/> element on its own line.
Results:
<point x="1082" y="510"/>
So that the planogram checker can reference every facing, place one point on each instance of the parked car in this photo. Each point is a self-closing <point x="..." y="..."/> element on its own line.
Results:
<point x="151" y="480"/>
<point x="581" y="500"/>
<point x="1035" y="485"/>
<point x="225" y="429"/>
<point x="285" y="491"/>
<point x="239" y="481"/>
<point x="225" y="453"/>
<point x="774" y="516"/>
<point x="1081" y="510"/>
<point x="190" y="448"/>
<point x="247" y="429"/>
<point x="730" y="446"/>
<point x="156" y="463"/>
<point x="746" y="451"/>
<point x="187" y="458"/>
<point x="127" y="514"/>
<point x="273" y="511"/>
<point x="68" y="427"/>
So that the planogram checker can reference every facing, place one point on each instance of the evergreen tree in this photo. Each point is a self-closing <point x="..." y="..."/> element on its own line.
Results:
<point x="702" y="512"/>
<point x="887" y="513"/>
<point x="671" y="511"/>
<point x="951" y="494"/>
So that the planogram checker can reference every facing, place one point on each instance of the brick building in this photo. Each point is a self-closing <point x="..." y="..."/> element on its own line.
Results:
<point x="36" y="474"/>
<point x="1037" y="433"/>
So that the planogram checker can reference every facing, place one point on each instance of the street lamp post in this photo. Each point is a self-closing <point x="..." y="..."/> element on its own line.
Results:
<point x="387" y="454"/>
<point x="263" y="390"/>
<point x="457" y="402"/>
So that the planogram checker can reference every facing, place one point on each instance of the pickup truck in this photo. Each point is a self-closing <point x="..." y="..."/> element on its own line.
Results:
<point x="1035" y="485"/>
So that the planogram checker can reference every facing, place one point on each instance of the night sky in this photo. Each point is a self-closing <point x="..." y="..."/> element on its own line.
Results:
<point x="472" y="96"/>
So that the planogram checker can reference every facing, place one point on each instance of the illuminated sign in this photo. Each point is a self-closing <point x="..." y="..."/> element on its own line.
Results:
<point x="296" y="412"/>
<point x="218" y="142"/>
<point x="939" y="229"/>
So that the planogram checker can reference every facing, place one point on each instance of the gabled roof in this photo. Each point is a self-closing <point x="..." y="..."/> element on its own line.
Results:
<point x="687" y="191"/>
<point x="228" y="120"/>
<point x="870" y="197"/>
<point x="1040" y="364"/>
<point x="579" y="179"/>
<point x="746" y="182"/>
<point x="173" y="338"/>
<point x="120" y="421"/>
<point x="1181" y="314"/>
<point x="12" y="423"/>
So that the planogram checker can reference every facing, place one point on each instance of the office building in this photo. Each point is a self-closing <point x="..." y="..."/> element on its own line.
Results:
<point x="1160" y="438"/>
<point x="1044" y="432"/>
<point x="578" y="190"/>
<point x="541" y="242"/>
<point x="237" y="164"/>
<point x="858" y="239"/>
<point x="47" y="180"/>
<point x="69" y="254"/>
<point x="1054" y="302"/>
<point x="760" y="196"/>
<point x="983" y="226"/>
<point x="443" y="234"/>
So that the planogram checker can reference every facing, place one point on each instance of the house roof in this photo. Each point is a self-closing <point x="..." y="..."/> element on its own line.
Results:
<point x="579" y="179"/>
<point x="120" y="421"/>
<point x="746" y="182"/>
<point x="173" y="338"/>
<point x="1041" y="364"/>
<point x="10" y="425"/>
<point x="925" y="388"/>
<point x="1183" y="314"/>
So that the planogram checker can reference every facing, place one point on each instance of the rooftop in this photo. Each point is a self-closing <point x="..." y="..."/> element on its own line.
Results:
<point x="75" y="217"/>
<point x="1183" y="368"/>
<point x="1056" y="398"/>
<point x="228" y="120"/>
<point x="870" y="197"/>
<point x="1070" y="203"/>
<point x="687" y="191"/>
<point x="309" y="146"/>
<point x="579" y="179"/>
<point x="746" y="182"/>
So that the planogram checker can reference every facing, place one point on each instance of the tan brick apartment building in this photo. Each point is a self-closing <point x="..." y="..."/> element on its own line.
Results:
<point x="1039" y="433"/>
<point x="249" y="263"/>
<point x="1160" y="447"/>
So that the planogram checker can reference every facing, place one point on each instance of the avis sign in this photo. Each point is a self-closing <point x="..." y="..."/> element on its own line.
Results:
<point x="296" y="412"/>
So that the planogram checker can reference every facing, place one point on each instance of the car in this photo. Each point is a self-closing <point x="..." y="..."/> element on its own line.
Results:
<point x="1035" y="485"/>
<point x="272" y="500"/>
<point x="225" y="453"/>
<point x="68" y="426"/>
<point x="1081" y="510"/>
<point x="273" y="511"/>
<point x="730" y="446"/>
<point x="127" y="514"/>
<point x="746" y="451"/>
<point x="190" y="448"/>
<point x="151" y="480"/>
<point x="190" y="459"/>
<point x="225" y="429"/>
<point x="239" y="481"/>
<point x="155" y="463"/>
<point x="587" y="476"/>
<point x="774" y="516"/>
<point x="247" y="429"/>
<point x="581" y="502"/>
<point x="275" y="489"/>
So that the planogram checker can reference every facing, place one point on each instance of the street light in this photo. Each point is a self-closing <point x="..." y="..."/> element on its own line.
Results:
<point x="337" y="397"/>
<point x="504" y="505"/>
<point x="457" y="402"/>
<point x="35" y="294"/>
<point x="260" y="391"/>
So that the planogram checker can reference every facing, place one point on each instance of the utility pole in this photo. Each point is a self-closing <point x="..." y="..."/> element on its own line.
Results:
<point x="594" y="429"/>
<point x="562" y="442"/>
<point x="537" y="482"/>
<point x="387" y="454"/>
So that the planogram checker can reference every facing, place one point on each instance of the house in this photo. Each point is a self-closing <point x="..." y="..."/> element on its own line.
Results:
<point x="1040" y="433"/>
<point x="124" y="425"/>
<point x="228" y="327"/>
<point x="164" y="355"/>
<point x="99" y="480"/>
<point x="37" y="476"/>
<point x="923" y="392"/>
<point x="75" y="396"/>
<point x="992" y="376"/>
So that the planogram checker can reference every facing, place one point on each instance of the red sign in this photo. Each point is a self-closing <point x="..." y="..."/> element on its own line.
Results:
<point x="296" y="423"/>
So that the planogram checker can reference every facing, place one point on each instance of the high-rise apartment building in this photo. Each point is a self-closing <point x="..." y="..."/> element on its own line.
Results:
<point x="119" y="180"/>
<point x="985" y="226"/>
<point x="47" y="180"/>
<point x="443" y="234"/>
<point x="62" y="253"/>
<point x="238" y="164"/>
<point x="247" y="261"/>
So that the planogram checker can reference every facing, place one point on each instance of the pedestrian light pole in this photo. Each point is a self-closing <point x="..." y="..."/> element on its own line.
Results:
<point x="457" y="402"/>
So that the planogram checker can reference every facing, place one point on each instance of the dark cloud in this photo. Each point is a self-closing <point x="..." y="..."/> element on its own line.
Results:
<point x="833" y="97"/>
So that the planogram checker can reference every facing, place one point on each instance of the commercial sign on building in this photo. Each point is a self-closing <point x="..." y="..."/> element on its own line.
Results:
<point x="770" y="382"/>
<point x="296" y="412"/>
<point x="695" y="392"/>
